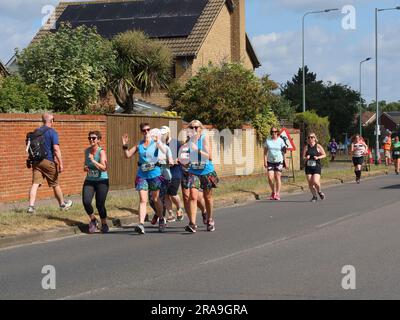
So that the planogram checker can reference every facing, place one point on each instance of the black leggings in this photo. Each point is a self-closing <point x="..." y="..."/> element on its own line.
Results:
<point x="101" y="190"/>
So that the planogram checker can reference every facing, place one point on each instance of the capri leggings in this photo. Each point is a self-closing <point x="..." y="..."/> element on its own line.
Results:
<point x="100" y="189"/>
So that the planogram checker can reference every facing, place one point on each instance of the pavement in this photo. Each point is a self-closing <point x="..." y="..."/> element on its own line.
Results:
<point x="292" y="249"/>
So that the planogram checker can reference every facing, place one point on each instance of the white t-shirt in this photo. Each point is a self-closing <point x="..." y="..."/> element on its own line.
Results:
<point x="358" y="150"/>
<point x="274" y="148"/>
<point x="162" y="157"/>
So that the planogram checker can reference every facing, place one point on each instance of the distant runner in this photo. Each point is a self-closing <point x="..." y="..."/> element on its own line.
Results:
<point x="358" y="150"/>
<point x="396" y="154"/>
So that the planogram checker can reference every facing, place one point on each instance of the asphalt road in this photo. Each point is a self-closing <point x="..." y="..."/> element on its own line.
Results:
<point x="292" y="249"/>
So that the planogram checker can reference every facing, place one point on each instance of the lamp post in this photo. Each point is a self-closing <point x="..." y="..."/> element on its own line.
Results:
<point x="376" y="82"/>
<point x="302" y="46"/>
<point x="361" y="96"/>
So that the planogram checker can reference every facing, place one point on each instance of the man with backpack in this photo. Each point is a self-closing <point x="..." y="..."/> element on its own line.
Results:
<point x="44" y="150"/>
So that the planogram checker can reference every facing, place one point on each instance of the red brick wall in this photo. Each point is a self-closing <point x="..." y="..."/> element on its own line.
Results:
<point x="72" y="130"/>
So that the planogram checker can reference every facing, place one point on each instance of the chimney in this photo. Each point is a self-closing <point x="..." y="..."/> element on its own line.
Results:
<point x="238" y="22"/>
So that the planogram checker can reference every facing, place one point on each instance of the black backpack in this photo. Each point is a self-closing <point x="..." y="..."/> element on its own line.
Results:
<point x="35" y="145"/>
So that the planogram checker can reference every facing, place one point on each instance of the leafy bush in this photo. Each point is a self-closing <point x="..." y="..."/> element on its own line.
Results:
<point x="17" y="96"/>
<point x="311" y="122"/>
<point x="225" y="96"/>
<point x="69" y="65"/>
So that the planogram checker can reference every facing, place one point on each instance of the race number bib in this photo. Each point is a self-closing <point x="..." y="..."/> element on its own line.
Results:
<point x="397" y="153"/>
<point x="147" y="167"/>
<point x="197" y="166"/>
<point x="94" y="173"/>
<point x="311" y="163"/>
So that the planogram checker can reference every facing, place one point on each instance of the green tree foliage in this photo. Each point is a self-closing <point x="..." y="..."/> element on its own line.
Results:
<point x="336" y="101"/>
<point x="70" y="66"/>
<point x="142" y="66"/>
<point x="310" y="122"/>
<point x="17" y="96"/>
<point x="384" y="106"/>
<point x="226" y="96"/>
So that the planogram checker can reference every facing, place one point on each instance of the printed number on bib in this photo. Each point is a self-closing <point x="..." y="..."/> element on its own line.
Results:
<point x="94" y="174"/>
<point x="311" y="163"/>
<point x="198" y="166"/>
<point x="147" y="167"/>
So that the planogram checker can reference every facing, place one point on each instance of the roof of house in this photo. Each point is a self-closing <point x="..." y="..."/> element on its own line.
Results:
<point x="3" y="69"/>
<point x="367" y="117"/>
<point x="181" y="25"/>
<point x="393" y="115"/>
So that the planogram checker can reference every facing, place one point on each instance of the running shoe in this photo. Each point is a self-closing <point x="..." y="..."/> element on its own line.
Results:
<point x="358" y="181"/>
<point x="104" y="228"/>
<point x="93" y="226"/>
<point x="162" y="225"/>
<point x="277" y="196"/>
<point x="171" y="217"/>
<point x="191" y="228"/>
<point x="179" y="215"/>
<point x="31" y="210"/>
<point x="66" y="205"/>
<point x="154" y="220"/>
<point x="205" y="219"/>
<point x="314" y="199"/>
<point x="321" y="195"/>
<point x="140" y="229"/>
<point x="211" y="226"/>
<point x="272" y="197"/>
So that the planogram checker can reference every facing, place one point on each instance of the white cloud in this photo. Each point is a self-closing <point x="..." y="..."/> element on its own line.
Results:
<point x="333" y="57"/>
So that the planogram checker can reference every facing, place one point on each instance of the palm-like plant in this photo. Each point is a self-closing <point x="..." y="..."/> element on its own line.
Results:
<point x="142" y="65"/>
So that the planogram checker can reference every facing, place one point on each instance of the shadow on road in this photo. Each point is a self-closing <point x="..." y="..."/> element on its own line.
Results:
<point x="395" y="186"/>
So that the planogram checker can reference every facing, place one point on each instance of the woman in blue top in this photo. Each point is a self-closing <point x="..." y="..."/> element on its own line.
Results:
<point x="274" y="150"/>
<point x="201" y="176"/>
<point x="149" y="176"/>
<point x="96" y="182"/>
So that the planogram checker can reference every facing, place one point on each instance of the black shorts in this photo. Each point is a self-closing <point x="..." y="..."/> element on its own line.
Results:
<point x="173" y="187"/>
<point x="395" y="156"/>
<point x="276" y="167"/>
<point x="358" y="161"/>
<point x="313" y="170"/>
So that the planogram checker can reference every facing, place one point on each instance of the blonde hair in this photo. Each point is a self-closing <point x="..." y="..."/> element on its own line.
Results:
<point x="193" y="122"/>
<point x="313" y="134"/>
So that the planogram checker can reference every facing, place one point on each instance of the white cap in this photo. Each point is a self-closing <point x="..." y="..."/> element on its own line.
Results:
<point x="165" y="130"/>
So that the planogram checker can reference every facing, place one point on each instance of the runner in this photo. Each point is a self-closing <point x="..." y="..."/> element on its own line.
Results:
<point x="164" y="162"/>
<point x="387" y="147"/>
<point x="312" y="154"/>
<point x="396" y="154"/>
<point x="149" y="176"/>
<point x="201" y="176"/>
<point x="358" y="150"/>
<point x="172" y="197"/>
<point x="96" y="182"/>
<point x="274" y="149"/>
<point x="333" y="147"/>
<point x="184" y="159"/>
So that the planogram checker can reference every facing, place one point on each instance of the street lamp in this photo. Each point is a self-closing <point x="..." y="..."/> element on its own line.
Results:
<point x="361" y="96"/>
<point x="302" y="46"/>
<point x="376" y="82"/>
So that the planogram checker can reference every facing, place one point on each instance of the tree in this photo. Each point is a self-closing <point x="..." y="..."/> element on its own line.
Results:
<point x="226" y="96"/>
<point x="142" y="65"/>
<point x="384" y="106"/>
<point x="293" y="90"/>
<point x="69" y="65"/>
<point x="336" y="101"/>
<point x="17" y="96"/>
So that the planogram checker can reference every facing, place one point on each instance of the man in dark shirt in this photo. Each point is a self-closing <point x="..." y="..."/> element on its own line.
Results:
<point x="47" y="168"/>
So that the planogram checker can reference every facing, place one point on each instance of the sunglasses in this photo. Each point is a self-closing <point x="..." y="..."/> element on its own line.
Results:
<point x="311" y="137"/>
<point x="146" y="130"/>
<point x="92" y="138"/>
<point x="194" y="127"/>
<point x="274" y="131"/>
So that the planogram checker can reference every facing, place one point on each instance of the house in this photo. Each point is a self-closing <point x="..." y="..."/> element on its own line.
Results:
<point x="197" y="31"/>
<point x="390" y="120"/>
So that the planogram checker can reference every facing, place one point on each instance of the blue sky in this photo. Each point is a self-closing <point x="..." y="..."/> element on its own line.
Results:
<point x="275" y="29"/>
